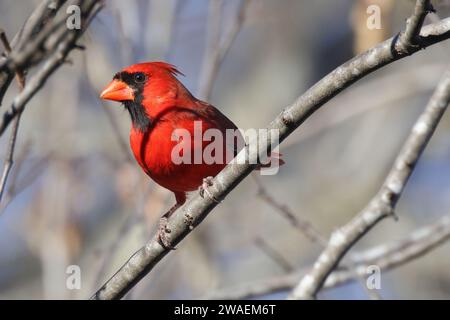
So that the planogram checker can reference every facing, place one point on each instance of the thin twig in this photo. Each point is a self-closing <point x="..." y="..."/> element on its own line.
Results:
<point x="273" y="254"/>
<point x="301" y="224"/>
<point x="217" y="48"/>
<point x="9" y="159"/>
<point x="17" y="186"/>
<point x="410" y="37"/>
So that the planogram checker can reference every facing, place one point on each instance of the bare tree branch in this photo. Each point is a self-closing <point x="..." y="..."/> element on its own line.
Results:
<point x="301" y="224"/>
<point x="9" y="160"/>
<point x="17" y="186"/>
<point x="36" y="21"/>
<point x="194" y="211"/>
<point x="273" y="254"/>
<point x="62" y="48"/>
<point x="414" y="24"/>
<point x="387" y="256"/>
<point x="217" y="48"/>
<point x="384" y="202"/>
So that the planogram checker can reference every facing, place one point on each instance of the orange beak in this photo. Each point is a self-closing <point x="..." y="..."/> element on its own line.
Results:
<point x="117" y="91"/>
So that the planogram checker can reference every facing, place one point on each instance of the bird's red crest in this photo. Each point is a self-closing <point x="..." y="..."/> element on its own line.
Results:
<point x="169" y="67"/>
<point x="153" y="66"/>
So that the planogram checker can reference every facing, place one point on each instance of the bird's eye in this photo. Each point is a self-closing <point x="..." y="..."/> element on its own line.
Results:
<point x="139" y="77"/>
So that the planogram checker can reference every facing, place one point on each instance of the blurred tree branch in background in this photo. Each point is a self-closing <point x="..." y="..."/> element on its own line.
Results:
<point x="386" y="256"/>
<point x="301" y="224"/>
<point x="218" y="45"/>
<point x="401" y="46"/>
<point x="9" y="159"/>
<point x="44" y="38"/>
<point x="34" y="24"/>
<point x="50" y="46"/>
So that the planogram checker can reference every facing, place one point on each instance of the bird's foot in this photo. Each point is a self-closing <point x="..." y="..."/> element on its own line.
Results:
<point x="207" y="182"/>
<point x="163" y="233"/>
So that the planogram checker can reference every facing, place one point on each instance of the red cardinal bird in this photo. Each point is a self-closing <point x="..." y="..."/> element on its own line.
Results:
<point x="158" y="104"/>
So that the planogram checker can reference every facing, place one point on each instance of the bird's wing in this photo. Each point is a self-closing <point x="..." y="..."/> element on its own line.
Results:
<point x="223" y="123"/>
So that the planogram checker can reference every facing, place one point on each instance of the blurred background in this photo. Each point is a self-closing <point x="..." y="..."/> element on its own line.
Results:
<point x="77" y="197"/>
